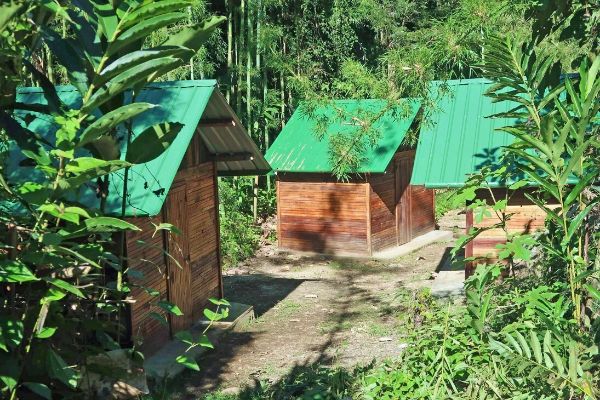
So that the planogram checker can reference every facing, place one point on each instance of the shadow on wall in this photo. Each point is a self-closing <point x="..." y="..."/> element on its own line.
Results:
<point x="320" y="239"/>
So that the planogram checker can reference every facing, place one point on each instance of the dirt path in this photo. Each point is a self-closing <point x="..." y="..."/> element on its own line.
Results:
<point x="313" y="309"/>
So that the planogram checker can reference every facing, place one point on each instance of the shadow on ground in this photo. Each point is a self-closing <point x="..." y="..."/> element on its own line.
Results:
<point x="312" y="374"/>
<point x="261" y="291"/>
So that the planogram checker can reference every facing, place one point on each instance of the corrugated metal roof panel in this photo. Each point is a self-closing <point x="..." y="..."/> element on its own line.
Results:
<point x="233" y="138"/>
<point x="461" y="139"/>
<point x="149" y="183"/>
<point x="297" y="148"/>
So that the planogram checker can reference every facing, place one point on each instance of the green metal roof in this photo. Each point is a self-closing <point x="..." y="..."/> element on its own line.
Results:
<point x="185" y="102"/>
<point x="297" y="148"/>
<point x="460" y="140"/>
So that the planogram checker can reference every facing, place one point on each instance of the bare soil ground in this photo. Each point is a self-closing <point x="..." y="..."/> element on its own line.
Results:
<point x="313" y="309"/>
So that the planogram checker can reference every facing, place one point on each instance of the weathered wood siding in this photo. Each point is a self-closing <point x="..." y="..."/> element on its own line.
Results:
<point x="148" y="261"/>
<point x="383" y="210"/>
<point x="422" y="210"/>
<point x="526" y="218"/>
<point x="202" y="234"/>
<point x="193" y="274"/>
<point x="368" y="213"/>
<point x="318" y="214"/>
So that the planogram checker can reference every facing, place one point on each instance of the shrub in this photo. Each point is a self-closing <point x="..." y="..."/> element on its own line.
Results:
<point x="240" y="237"/>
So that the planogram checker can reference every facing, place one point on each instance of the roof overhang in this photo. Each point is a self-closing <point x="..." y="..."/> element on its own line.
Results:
<point x="228" y="142"/>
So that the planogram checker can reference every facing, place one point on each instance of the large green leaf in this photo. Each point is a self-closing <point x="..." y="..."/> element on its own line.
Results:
<point x="195" y="37"/>
<point x="39" y="388"/>
<point x="106" y="16"/>
<point x="574" y="161"/>
<point x="67" y="55"/>
<point x="153" y="9"/>
<point x="170" y="307"/>
<point x="54" y="102"/>
<point x="581" y="185"/>
<point x="66" y="286"/>
<point x="108" y="224"/>
<point x="84" y="176"/>
<point x="16" y="272"/>
<point x="187" y="362"/>
<point x="25" y="139"/>
<point x="128" y="79"/>
<point x="11" y="332"/>
<point x="142" y="29"/>
<point x="86" y="36"/>
<point x="8" y="10"/>
<point x="105" y="148"/>
<point x="576" y="222"/>
<point x="135" y="58"/>
<point x="106" y="123"/>
<point x="152" y="142"/>
<point x="58" y="369"/>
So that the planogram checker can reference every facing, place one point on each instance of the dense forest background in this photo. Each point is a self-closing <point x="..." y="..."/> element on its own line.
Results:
<point x="272" y="54"/>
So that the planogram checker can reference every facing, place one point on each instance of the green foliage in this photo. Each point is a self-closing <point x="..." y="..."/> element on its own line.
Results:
<point x="239" y="234"/>
<point x="62" y="267"/>
<point x="444" y="202"/>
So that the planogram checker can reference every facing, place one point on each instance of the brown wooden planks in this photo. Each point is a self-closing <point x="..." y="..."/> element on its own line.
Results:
<point x="422" y="210"/>
<point x="192" y="206"/>
<point x="180" y="275"/>
<point x="148" y="261"/>
<point x="383" y="210"/>
<point x="322" y="217"/>
<point x="526" y="218"/>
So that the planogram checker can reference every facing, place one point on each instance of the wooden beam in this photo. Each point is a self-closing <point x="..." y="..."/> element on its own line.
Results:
<point x="231" y="157"/>
<point x="216" y="123"/>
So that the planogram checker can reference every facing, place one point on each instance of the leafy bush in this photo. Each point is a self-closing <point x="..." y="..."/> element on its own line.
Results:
<point x="240" y="236"/>
<point x="444" y="202"/>
<point x="62" y="266"/>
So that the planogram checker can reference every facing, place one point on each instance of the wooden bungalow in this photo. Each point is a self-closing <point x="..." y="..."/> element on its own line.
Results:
<point x="459" y="142"/>
<point x="178" y="187"/>
<point x="375" y="209"/>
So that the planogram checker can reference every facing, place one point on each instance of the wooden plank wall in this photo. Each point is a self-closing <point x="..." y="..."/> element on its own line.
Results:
<point x="387" y="193"/>
<point x="422" y="210"/>
<point x="202" y="233"/>
<point x="527" y="218"/>
<point x="383" y="210"/>
<point x="148" y="260"/>
<point x="200" y="236"/>
<point x="318" y="214"/>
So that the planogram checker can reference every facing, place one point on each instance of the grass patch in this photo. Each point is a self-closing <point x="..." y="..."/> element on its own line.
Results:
<point x="377" y="329"/>
<point x="287" y="308"/>
<point x="326" y="327"/>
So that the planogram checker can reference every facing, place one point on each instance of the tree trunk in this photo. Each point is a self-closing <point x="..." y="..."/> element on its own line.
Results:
<point x="249" y="69"/>
<point x="240" y="48"/>
<point x="229" y="93"/>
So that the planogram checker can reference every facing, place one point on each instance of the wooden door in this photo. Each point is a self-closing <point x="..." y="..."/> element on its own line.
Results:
<point x="179" y="271"/>
<point x="402" y="177"/>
